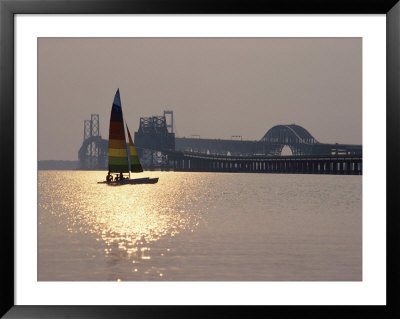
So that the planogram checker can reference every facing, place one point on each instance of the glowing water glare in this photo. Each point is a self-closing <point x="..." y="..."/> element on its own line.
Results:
<point x="199" y="226"/>
<point x="126" y="218"/>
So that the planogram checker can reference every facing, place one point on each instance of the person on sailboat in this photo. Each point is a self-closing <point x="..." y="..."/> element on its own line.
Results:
<point x="121" y="177"/>
<point x="108" y="177"/>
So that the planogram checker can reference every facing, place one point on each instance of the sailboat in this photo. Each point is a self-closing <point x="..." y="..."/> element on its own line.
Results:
<point x="118" y="161"/>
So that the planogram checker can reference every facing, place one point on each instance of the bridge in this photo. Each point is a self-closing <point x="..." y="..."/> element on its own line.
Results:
<point x="298" y="139"/>
<point x="311" y="164"/>
<point x="158" y="148"/>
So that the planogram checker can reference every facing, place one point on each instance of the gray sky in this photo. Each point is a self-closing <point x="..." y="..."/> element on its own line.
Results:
<point x="217" y="87"/>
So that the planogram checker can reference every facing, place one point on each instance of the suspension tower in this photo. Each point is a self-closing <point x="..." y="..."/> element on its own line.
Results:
<point x="152" y="138"/>
<point x="92" y="154"/>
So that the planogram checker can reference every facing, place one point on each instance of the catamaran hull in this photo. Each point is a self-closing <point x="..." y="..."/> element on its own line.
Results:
<point x="144" y="180"/>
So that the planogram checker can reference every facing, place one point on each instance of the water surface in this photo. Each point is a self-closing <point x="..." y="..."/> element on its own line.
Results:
<point x="200" y="227"/>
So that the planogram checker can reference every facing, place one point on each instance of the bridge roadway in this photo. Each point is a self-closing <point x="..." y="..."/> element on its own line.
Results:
<point x="238" y="147"/>
<point x="158" y="148"/>
<point x="303" y="164"/>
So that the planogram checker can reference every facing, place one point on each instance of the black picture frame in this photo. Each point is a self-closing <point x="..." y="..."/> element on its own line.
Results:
<point x="8" y="8"/>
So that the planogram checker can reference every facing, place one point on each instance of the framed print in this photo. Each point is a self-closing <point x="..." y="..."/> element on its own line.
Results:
<point x="174" y="154"/>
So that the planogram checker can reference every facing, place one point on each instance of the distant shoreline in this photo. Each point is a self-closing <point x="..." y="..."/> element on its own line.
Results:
<point x="58" y="165"/>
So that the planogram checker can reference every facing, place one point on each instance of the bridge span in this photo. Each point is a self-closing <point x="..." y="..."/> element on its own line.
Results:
<point x="298" y="139"/>
<point x="158" y="148"/>
<point x="301" y="164"/>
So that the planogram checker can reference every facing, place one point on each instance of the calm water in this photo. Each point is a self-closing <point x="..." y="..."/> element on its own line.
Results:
<point x="200" y="226"/>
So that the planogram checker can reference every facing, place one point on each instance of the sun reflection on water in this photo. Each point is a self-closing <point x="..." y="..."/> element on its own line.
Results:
<point x="126" y="219"/>
<point x="199" y="226"/>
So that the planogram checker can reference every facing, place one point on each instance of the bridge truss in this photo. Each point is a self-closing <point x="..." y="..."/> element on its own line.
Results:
<point x="155" y="143"/>
<point x="93" y="154"/>
<point x="298" y="139"/>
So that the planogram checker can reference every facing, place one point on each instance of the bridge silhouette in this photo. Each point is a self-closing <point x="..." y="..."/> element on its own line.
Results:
<point x="158" y="148"/>
<point x="298" y="139"/>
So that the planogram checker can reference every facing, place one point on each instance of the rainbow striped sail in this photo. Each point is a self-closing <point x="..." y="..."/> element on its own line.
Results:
<point x="117" y="154"/>
<point x="136" y="167"/>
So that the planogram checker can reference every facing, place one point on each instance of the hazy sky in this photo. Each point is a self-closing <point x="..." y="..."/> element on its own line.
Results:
<point x="217" y="87"/>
